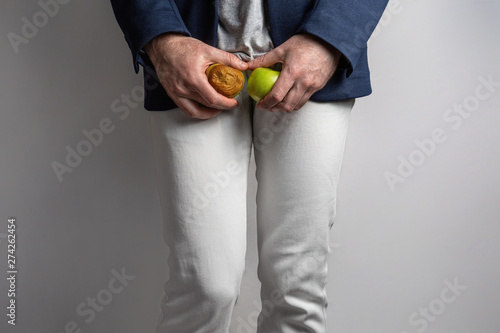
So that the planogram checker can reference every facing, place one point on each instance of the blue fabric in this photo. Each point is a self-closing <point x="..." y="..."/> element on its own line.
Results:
<point x="345" y="24"/>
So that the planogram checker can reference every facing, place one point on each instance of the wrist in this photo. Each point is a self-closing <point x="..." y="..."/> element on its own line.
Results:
<point x="331" y="49"/>
<point x="155" y="46"/>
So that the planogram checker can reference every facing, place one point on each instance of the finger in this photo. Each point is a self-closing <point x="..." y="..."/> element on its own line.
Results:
<point x="230" y="59"/>
<point x="290" y="101"/>
<point x="202" y="92"/>
<point x="305" y="98"/>
<point x="267" y="60"/>
<point x="209" y="97"/>
<point x="278" y="93"/>
<point x="195" y="110"/>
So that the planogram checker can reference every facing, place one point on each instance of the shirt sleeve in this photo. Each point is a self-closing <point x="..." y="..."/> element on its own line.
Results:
<point x="346" y="25"/>
<point x="142" y="20"/>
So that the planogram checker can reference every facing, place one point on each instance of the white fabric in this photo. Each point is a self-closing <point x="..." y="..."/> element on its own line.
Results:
<point x="202" y="170"/>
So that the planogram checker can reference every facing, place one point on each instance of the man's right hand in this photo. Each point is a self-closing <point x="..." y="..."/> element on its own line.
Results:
<point x="180" y="63"/>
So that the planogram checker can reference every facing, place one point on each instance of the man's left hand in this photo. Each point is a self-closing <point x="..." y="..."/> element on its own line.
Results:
<point x="307" y="64"/>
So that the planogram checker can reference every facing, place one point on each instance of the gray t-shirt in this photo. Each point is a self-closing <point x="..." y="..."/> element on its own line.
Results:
<point x="243" y="28"/>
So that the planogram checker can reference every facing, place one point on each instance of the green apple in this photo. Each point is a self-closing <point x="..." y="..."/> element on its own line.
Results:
<point x="261" y="81"/>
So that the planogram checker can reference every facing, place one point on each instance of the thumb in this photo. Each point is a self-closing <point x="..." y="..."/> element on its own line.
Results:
<point x="266" y="60"/>
<point x="231" y="60"/>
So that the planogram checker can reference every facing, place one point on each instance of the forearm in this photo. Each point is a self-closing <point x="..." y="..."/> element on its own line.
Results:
<point x="142" y="20"/>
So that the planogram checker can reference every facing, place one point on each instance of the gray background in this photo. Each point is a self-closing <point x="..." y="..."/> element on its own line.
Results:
<point x="395" y="250"/>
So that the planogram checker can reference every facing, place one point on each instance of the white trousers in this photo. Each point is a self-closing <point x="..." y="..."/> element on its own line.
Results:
<point x="202" y="170"/>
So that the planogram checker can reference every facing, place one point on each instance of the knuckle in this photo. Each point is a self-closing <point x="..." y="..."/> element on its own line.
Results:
<point x="308" y="82"/>
<point x="311" y="84"/>
<point x="182" y="91"/>
<point x="211" y="101"/>
<point x="280" y="51"/>
<point x="196" y="114"/>
<point x="316" y="85"/>
<point x="295" y="70"/>
<point x="189" y="77"/>
<point x="299" y="106"/>
<point x="288" y="108"/>
<point x="189" y="113"/>
<point x="277" y="94"/>
<point x="274" y="97"/>
<point x="179" y="90"/>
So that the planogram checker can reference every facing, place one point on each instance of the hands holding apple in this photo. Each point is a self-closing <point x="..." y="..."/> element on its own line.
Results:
<point x="307" y="65"/>
<point x="180" y="62"/>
